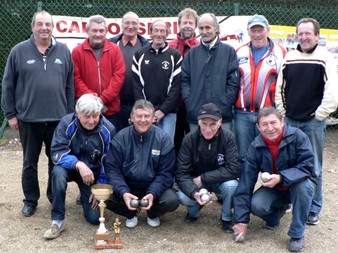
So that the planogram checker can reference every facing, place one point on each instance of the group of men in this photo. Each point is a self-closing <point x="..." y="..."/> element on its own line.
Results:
<point x="135" y="100"/>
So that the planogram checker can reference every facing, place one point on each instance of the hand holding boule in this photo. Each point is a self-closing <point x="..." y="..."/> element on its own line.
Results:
<point x="144" y="202"/>
<point x="265" y="177"/>
<point x="240" y="231"/>
<point x="134" y="203"/>
<point x="203" y="191"/>
<point x="205" y="197"/>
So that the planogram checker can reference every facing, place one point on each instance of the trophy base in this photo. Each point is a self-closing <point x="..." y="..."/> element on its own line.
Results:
<point x="103" y="242"/>
<point x="108" y="244"/>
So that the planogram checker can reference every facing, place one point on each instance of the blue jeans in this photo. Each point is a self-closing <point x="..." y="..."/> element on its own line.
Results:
<point x="269" y="203"/>
<point x="315" y="130"/>
<point x="245" y="130"/>
<point x="60" y="177"/>
<point x="168" y="124"/>
<point x="225" y="190"/>
<point x="225" y="125"/>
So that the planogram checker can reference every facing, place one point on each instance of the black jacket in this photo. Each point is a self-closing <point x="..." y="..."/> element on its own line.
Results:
<point x="210" y="76"/>
<point x="215" y="160"/>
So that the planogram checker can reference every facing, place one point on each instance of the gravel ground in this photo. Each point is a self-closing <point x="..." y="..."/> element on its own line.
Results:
<point x="20" y="234"/>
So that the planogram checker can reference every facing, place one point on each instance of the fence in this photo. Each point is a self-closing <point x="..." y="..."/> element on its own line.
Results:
<point x="15" y="16"/>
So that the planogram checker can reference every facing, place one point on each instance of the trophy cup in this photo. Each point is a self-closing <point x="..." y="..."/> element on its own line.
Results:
<point x="102" y="192"/>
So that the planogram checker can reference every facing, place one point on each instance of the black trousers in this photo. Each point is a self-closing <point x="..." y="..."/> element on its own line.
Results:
<point x="168" y="202"/>
<point x="32" y="136"/>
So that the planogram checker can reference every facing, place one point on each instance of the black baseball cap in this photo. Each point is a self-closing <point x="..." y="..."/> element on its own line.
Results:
<point x="211" y="111"/>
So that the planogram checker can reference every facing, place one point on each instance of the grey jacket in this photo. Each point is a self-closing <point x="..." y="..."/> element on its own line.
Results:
<point x="35" y="89"/>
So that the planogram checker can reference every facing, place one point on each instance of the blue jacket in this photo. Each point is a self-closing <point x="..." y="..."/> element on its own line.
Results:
<point x="141" y="161"/>
<point x="72" y="143"/>
<point x="294" y="162"/>
<point x="210" y="75"/>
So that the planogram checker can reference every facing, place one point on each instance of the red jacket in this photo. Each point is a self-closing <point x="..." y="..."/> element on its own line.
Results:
<point x="180" y="43"/>
<point x="104" y="77"/>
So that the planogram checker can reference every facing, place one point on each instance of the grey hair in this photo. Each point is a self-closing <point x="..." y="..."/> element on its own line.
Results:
<point x="159" y="21"/>
<point x="143" y="104"/>
<point x="88" y="104"/>
<point x="130" y="13"/>
<point x="214" y="20"/>
<point x="43" y="13"/>
<point x="96" y="19"/>
<point x="266" y="111"/>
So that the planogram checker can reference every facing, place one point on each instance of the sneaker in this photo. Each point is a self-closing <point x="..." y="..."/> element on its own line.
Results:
<point x="312" y="219"/>
<point x="289" y="208"/>
<point x="296" y="244"/>
<point x="154" y="222"/>
<point x="271" y="227"/>
<point x="131" y="223"/>
<point x="189" y="219"/>
<point x="53" y="232"/>
<point x="227" y="226"/>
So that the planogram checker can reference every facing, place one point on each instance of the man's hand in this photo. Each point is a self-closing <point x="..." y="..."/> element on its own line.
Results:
<point x="198" y="181"/>
<point x="127" y="197"/>
<point x="197" y="197"/>
<point x="150" y="198"/>
<point x="13" y="123"/>
<point x="94" y="202"/>
<point x="158" y="116"/>
<point x="240" y="231"/>
<point x="275" y="179"/>
<point x="85" y="172"/>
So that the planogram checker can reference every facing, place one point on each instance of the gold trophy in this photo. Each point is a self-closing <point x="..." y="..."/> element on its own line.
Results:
<point x="102" y="193"/>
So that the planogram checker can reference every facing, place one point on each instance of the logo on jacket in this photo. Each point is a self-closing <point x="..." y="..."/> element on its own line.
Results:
<point x="146" y="61"/>
<point x="155" y="152"/>
<point x="58" y="61"/>
<point x="220" y="159"/>
<point x="243" y="60"/>
<point x="56" y="157"/>
<point x="271" y="60"/>
<point x="165" y="65"/>
<point x="30" y="61"/>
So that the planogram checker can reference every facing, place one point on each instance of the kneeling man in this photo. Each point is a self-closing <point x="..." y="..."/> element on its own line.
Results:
<point x="286" y="154"/>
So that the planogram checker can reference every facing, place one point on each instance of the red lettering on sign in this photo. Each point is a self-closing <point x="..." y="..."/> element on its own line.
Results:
<point x="74" y="27"/>
<point x="59" y="24"/>
<point x="114" y="28"/>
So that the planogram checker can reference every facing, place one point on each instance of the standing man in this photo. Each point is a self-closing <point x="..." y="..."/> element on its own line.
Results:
<point x="306" y="93"/>
<point x="208" y="159"/>
<point x="210" y="74"/>
<point x="99" y="68"/>
<point x="129" y="41"/>
<point x="259" y="63"/>
<point x="79" y="147"/>
<point x="186" y="39"/>
<point x="37" y="91"/>
<point x="284" y="152"/>
<point x="140" y="165"/>
<point x="157" y="76"/>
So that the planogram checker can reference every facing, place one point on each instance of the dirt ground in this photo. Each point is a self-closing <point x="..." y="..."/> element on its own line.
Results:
<point x="21" y="234"/>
